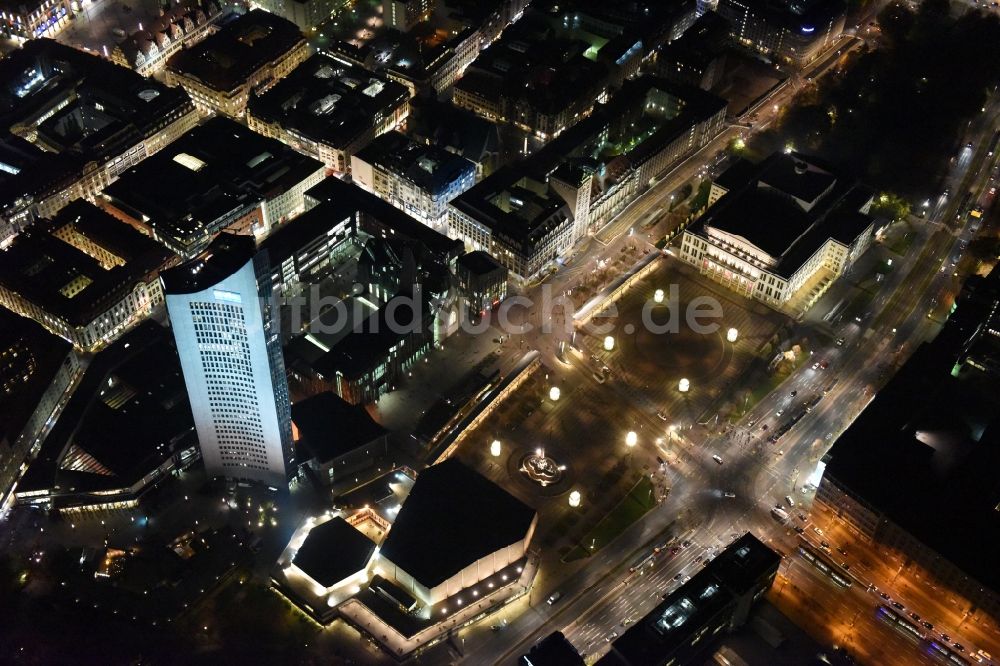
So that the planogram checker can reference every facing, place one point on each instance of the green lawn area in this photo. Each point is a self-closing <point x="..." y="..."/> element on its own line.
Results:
<point x="633" y="506"/>
<point x="901" y="243"/>
<point x="770" y="382"/>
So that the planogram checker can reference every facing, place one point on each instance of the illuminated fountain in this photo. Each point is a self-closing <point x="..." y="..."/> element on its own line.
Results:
<point x="542" y="469"/>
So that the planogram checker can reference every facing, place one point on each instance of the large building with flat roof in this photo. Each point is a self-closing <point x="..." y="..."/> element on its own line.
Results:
<point x="337" y="439"/>
<point x="329" y="109"/>
<point x="125" y="429"/>
<point x="220" y="175"/>
<point x="248" y="55"/>
<point x="418" y="179"/>
<point x="36" y="370"/>
<point x="83" y="275"/>
<point x="795" y="32"/>
<point x="455" y="529"/>
<point x="223" y="322"/>
<point x="530" y="213"/>
<point x="915" y="473"/>
<point x="783" y="231"/>
<point x="534" y="80"/>
<point x="73" y="122"/>
<point x="716" y="601"/>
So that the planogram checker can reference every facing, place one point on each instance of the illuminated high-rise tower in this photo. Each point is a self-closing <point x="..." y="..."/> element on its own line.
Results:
<point x="230" y="351"/>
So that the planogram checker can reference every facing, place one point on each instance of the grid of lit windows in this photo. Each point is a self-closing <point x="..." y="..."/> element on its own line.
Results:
<point x="221" y="333"/>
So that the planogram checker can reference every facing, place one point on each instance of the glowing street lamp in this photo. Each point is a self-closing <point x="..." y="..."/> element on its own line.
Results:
<point x="684" y="385"/>
<point x="631" y="439"/>
<point x="495" y="448"/>
<point x="658" y="296"/>
<point x="732" y="334"/>
<point x="554" y="394"/>
<point x="574" y="499"/>
<point x="609" y="343"/>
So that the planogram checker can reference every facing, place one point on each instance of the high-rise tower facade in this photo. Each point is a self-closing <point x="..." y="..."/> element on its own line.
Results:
<point x="230" y="351"/>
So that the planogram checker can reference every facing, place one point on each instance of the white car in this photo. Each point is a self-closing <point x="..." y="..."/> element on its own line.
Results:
<point x="717" y="459"/>
<point x="789" y="501"/>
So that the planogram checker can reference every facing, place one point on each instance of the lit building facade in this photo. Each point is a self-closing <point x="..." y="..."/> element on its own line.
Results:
<point x="404" y="14"/>
<point x="249" y="54"/>
<point x="40" y="18"/>
<point x="220" y="175"/>
<point x="83" y="275"/>
<point x="418" y="179"/>
<point x="178" y="27"/>
<point x="307" y="14"/>
<point x="36" y="371"/>
<point x="76" y="122"/>
<point x="329" y="110"/>
<point x="795" y="32"/>
<point x="789" y="225"/>
<point x="230" y="350"/>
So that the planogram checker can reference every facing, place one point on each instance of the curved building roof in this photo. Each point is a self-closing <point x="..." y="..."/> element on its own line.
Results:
<point x="227" y="254"/>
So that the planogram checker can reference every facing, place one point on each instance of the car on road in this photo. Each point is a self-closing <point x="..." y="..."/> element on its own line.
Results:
<point x="824" y="364"/>
<point x="824" y="545"/>
<point x="553" y="598"/>
<point x="685" y="544"/>
<point x="946" y="638"/>
<point x="717" y="459"/>
<point x="793" y="393"/>
<point x="789" y="501"/>
<point x="779" y="412"/>
<point x="914" y="617"/>
<point x="884" y="596"/>
<point x="730" y="494"/>
<point x="898" y="606"/>
<point x="661" y="416"/>
<point x="802" y="517"/>
<point x="928" y="625"/>
<point x="612" y="636"/>
<point x="840" y="342"/>
<point x="845" y="566"/>
<point x="842" y="552"/>
<point x="958" y="646"/>
<point x="678" y="576"/>
<point x="698" y="559"/>
<point x="816" y="365"/>
<point x="799" y="529"/>
<point x="627" y="621"/>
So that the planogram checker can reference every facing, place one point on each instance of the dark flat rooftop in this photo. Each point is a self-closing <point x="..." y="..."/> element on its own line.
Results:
<point x="352" y="197"/>
<point x="331" y="427"/>
<point x="453" y="517"/>
<point x="41" y="267"/>
<point x="327" y="101"/>
<point x="658" y="638"/>
<point x="211" y="171"/>
<point x="761" y="207"/>
<point x="925" y="453"/>
<point x="430" y="168"/>
<point x="292" y="236"/>
<point x="226" y="60"/>
<point x="37" y="349"/>
<point x="333" y="551"/>
<point x="478" y="262"/>
<point x="226" y="255"/>
<point x="128" y="414"/>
